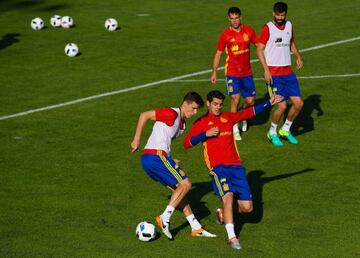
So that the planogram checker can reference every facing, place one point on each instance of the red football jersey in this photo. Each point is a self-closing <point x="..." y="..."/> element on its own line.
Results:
<point x="237" y="47"/>
<point x="219" y="150"/>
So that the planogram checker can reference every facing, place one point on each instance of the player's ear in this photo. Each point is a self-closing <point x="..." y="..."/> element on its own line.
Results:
<point x="207" y="103"/>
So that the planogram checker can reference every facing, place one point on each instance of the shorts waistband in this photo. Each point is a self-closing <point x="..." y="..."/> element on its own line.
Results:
<point x="155" y="152"/>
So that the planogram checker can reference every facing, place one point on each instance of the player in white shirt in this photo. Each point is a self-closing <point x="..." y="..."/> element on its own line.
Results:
<point x="158" y="165"/>
<point x="275" y="44"/>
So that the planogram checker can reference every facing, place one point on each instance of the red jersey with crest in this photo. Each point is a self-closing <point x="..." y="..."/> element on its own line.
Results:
<point x="219" y="150"/>
<point x="237" y="47"/>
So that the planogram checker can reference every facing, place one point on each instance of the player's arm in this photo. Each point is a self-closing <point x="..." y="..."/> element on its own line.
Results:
<point x="193" y="138"/>
<point x="299" y="59"/>
<point x="143" y="118"/>
<point x="260" y="48"/>
<point x="250" y="112"/>
<point x="216" y="62"/>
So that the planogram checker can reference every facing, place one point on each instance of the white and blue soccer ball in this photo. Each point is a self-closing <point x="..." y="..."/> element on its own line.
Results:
<point x="145" y="231"/>
<point x="71" y="49"/>
<point x="37" y="23"/>
<point x="55" y="21"/>
<point x="67" y="22"/>
<point x="111" y="24"/>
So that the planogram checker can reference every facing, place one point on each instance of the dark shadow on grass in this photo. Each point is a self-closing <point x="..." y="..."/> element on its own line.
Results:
<point x="264" y="116"/>
<point x="8" y="39"/>
<point x="39" y="5"/>
<point x="198" y="207"/>
<point x="257" y="181"/>
<point x="305" y="122"/>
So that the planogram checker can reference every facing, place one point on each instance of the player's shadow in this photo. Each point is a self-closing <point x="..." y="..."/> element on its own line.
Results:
<point x="198" y="207"/>
<point x="305" y="122"/>
<point x="257" y="181"/>
<point x="8" y="39"/>
<point x="6" y="5"/>
<point x="264" y="116"/>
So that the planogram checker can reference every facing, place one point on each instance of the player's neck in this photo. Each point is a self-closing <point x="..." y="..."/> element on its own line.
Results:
<point x="238" y="29"/>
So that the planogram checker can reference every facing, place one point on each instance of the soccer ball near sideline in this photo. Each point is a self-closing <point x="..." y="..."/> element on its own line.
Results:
<point x="111" y="24"/>
<point x="55" y="21"/>
<point x="67" y="22"/>
<point x="71" y="49"/>
<point x="145" y="231"/>
<point x="37" y="23"/>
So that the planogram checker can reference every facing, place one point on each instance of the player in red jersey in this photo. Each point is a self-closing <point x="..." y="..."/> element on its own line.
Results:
<point x="215" y="131"/>
<point x="236" y="40"/>
<point x="161" y="167"/>
<point x="275" y="44"/>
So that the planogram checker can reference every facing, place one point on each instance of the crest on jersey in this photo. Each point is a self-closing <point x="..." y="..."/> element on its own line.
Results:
<point x="246" y="37"/>
<point x="223" y="120"/>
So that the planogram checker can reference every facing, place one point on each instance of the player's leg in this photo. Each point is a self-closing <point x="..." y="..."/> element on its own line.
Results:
<point x="297" y="104"/>
<point x="278" y="88"/>
<point x="247" y="89"/>
<point x="232" y="89"/>
<point x="196" y="228"/>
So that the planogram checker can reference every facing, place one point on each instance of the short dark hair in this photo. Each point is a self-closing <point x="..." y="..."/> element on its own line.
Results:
<point x="214" y="94"/>
<point x="193" y="96"/>
<point x="235" y="10"/>
<point x="280" y="7"/>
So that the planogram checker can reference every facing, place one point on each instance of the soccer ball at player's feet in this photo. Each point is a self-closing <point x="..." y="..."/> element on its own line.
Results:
<point x="145" y="231"/>
<point x="111" y="24"/>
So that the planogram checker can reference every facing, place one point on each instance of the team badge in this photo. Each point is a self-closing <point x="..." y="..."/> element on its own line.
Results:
<point x="226" y="187"/>
<point x="246" y="37"/>
<point x="223" y="120"/>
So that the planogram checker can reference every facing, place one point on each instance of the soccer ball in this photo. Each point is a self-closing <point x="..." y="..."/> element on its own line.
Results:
<point x="111" y="24"/>
<point x="71" y="49"/>
<point x="37" y="23"/>
<point x="55" y="21"/>
<point x="67" y="22"/>
<point x="145" y="231"/>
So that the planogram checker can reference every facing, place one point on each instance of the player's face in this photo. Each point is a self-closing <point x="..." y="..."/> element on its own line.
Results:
<point x="215" y="106"/>
<point x="189" y="109"/>
<point x="279" y="18"/>
<point x="235" y="20"/>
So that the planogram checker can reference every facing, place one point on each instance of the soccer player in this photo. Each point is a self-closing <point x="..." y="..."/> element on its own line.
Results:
<point x="275" y="43"/>
<point x="157" y="163"/>
<point x="214" y="130"/>
<point x="236" y="40"/>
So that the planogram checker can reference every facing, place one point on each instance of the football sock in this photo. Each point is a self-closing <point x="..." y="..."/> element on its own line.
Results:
<point x="230" y="230"/>
<point x="273" y="128"/>
<point x="167" y="213"/>
<point x="194" y="223"/>
<point x="236" y="128"/>
<point x="286" y="126"/>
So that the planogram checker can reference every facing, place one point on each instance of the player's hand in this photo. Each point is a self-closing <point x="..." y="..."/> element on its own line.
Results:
<point x="212" y="132"/>
<point x="213" y="77"/>
<point x="135" y="145"/>
<point x="274" y="99"/>
<point x="268" y="78"/>
<point x="299" y="62"/>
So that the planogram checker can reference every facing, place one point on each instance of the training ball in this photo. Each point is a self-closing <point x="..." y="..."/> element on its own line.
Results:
<point x="37" y="23"/>
<point x="111" y="24"/>
<point x="55" y="21"/>
<point x="145" y="231"/>
<point x="71" y="49"/>
<point x="67" y="22"/>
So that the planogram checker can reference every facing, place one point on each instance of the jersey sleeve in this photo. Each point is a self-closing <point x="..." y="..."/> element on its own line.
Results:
<point x="221" y="43"/>
<point x="264" y="35"/>
<point x="166" y="115"/>
<point x="195" y="130"/>
<point x="244" y="114"/>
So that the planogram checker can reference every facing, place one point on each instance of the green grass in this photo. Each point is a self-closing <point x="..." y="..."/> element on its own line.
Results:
<point x="69" y="186"/>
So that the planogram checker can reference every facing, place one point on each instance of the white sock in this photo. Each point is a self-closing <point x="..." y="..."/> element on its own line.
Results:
<point x="236" y="128"/>
<point x="230" y="230"/>
<point x="273" y="128"/>
<point x="286" y="126"/>
<point x="167" y="213"/>
<point x="194" y="223"/>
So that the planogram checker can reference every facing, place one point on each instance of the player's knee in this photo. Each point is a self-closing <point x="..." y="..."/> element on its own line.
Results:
<point x="282" y="107"/>
<point x="299" y="105"/>
<point x="186" y="184"/>
<point x="246" y="209"/>
<point x="250" y="102"/>
<point x="228" y="199"/>
<point x="235" y="98"/>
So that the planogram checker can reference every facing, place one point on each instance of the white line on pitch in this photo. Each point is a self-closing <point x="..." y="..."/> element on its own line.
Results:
<point x="152" y="84"/>
<point x="299" y="77"/>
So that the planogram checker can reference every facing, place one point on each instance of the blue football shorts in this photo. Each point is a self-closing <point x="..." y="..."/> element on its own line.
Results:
<point x="243" y="85"/>
<point x="286" y="86"/>
<point x="231" y="179"/>
<point x="162" y="169"/>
